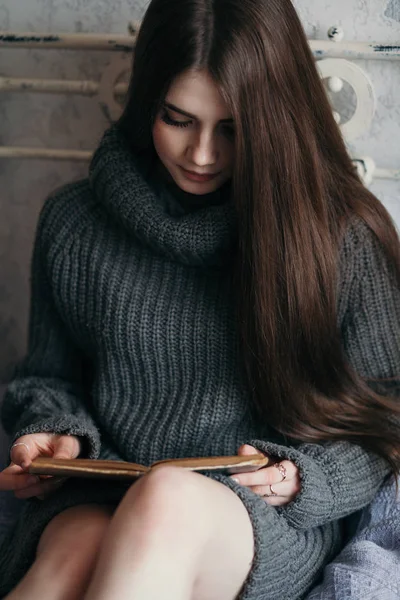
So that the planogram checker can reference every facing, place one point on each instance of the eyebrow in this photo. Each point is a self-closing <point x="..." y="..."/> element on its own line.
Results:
<point x="186" y="114"/>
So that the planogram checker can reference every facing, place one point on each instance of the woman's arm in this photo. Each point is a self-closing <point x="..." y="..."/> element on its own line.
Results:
<point x="47" y="394"/>
<point x="339" y="478"/>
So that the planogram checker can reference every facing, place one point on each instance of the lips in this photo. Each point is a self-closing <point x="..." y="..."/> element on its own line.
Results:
<point x="200" y="177"/>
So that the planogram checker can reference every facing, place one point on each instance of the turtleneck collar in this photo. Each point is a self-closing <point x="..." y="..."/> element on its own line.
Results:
<point x="120" y="182"/>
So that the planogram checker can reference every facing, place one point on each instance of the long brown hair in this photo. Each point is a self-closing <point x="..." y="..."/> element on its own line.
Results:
<point x="295" y="190"/>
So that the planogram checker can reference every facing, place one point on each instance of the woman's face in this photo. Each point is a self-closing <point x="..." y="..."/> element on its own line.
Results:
<point x="193" y="134"/>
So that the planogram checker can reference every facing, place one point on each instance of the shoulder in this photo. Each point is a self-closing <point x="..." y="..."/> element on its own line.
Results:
<point x="64" y="212"/>
<point x="357" y="238"/>
<point x="361" y="251"/>
<point x="366" y="275"/>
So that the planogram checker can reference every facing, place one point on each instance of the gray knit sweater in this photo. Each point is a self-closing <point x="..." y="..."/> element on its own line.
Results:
<point x="133" y="346"/>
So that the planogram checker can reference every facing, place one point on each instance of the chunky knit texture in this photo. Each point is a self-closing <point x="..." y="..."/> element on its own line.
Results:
<point x="133" y="346"/>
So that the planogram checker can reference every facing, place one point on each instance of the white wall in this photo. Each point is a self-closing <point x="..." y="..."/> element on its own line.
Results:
<point x="73" y="122"/>
<point x="369" y="21"/>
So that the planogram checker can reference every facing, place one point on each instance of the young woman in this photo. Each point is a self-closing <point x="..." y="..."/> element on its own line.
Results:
<point x="221" y="282"/>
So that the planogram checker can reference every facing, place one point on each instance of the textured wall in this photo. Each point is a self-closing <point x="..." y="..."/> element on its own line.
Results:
<point x="76" y="122"/>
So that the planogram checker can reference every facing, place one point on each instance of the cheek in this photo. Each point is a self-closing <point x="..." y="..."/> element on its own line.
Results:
<point x="166" y="142"/>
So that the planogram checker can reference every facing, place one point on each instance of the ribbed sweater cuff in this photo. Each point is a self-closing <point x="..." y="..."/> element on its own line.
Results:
<point x="314" y="503"/>
<point x="336" y="480"/>
<point x="79" y="426"/>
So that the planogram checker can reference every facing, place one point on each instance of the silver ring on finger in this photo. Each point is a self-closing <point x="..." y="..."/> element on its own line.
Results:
<point x="20" y="444"/>
<point x="271" y="493"/>
<point x="282" y="470"/>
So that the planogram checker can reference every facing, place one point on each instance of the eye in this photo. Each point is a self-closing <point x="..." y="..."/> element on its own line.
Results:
<point x="170" y="121"/>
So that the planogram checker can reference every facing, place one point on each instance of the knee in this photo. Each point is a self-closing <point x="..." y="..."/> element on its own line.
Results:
<point x="170" y="500"/>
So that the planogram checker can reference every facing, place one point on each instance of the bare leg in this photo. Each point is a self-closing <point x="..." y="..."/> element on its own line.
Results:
<point x="177" y="536"/>
<point x="66" y="555"/>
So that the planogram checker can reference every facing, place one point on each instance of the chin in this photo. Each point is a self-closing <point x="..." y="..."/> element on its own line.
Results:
<point x="198" y="189"/>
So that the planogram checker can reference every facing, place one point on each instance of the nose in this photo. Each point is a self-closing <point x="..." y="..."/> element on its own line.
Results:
<point x="203" y="150"/>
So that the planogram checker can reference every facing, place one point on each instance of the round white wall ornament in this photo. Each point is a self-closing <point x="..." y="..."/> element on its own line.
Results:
<point x="335" y="33"/>
<point x="357" y="78"/>
<point x="335" y="84"/>
<point x="337" y="117"/>
<point x="366" y="168"/>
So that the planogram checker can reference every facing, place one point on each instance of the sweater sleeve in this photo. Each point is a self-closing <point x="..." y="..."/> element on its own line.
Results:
<point x="339" y="478"/>
<point x="47" y="393"/>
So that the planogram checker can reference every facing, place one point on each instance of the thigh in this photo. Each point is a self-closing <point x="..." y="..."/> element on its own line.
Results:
<point x="68" y="548"/>
<point x="79" y="529"/>
<point x="228" y="554"/>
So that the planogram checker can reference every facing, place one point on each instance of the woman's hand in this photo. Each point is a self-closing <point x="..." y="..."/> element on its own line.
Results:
<point x="27" y="448"/>
<point x="283" y="476"/>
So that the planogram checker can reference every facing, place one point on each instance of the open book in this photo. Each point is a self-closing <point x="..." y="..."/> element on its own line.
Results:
<point x="115" y="469"/>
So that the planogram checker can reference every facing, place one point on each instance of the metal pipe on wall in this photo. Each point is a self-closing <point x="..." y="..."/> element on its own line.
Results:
<point x="56" y="86"/>
<point x="126" y="43"/>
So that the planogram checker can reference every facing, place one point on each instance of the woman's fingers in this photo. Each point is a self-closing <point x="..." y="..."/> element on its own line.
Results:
<point x="283" y="476"/>
<point x="13" y="478"/>
<point x="247" y="450"/>
<point x="13" y="469"/>
<point x="23" y="452"/>
<point x="40" y="489"/>
<point x="63" y="447"/>
<point x="29" y="447"/>
<point x="268" y="475"/>
<point x="285" y="489"/>
<point x="26" y="449"/>
<point x="67" y="446"/>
